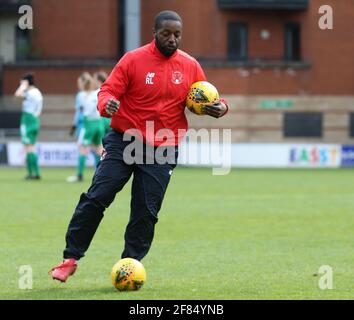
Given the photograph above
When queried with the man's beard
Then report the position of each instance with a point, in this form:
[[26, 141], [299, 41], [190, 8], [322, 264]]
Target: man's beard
[[164, 51]]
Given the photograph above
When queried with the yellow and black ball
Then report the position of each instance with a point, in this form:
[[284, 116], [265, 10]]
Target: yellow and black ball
[[201, 92], [128, 275]]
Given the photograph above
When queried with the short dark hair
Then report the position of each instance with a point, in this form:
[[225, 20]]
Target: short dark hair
[[166, 15], [29, 77], [101, 76]]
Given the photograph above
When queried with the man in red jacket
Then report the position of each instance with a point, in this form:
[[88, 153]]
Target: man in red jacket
[[146, 91]]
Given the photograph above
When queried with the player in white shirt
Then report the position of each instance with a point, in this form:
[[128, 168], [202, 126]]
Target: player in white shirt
[[32, 105], [92, 132]]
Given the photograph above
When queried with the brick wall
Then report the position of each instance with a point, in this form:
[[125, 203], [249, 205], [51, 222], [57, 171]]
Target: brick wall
[[89, 28], [205, 27], [330, 52], [75, 29]]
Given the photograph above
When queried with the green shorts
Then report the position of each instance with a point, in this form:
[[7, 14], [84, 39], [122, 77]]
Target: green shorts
[[92, 133], [29, 128]]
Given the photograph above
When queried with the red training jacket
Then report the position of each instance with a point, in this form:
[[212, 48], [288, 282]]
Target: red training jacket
[[151, 87]]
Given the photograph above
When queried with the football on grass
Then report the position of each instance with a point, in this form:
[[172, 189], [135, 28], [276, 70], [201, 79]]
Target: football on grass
[[128, 275]]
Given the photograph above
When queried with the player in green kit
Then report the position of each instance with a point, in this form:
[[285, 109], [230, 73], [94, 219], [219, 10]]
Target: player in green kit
[[92, 132], [32, 105]]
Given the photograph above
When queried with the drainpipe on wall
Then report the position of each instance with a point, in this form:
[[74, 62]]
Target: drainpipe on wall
[[132, 38]]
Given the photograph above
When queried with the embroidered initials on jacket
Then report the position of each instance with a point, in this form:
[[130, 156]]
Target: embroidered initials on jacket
[[149, 78]]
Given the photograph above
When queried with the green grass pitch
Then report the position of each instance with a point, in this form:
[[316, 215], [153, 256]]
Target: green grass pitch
[[252, 234]]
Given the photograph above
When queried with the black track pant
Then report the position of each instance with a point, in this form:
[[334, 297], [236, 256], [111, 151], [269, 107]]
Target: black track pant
[[150, 182]]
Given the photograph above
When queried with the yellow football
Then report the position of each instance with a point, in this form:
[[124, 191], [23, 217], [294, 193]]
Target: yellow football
[[128, 275], [201, 92]]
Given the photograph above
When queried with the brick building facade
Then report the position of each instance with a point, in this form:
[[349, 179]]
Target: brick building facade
[[89, 30], [276, 52]]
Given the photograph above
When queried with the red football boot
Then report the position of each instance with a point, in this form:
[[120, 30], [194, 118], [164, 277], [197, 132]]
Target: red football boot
[[64, 270]]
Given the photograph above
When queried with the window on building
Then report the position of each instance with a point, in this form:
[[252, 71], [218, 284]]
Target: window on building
[[292, 42], [22, 44], [237, 41], [8, 38], [303, 124]]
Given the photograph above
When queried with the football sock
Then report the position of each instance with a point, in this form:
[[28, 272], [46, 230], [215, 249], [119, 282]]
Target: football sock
[[29, 164], [35, 164], [82, 163]]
